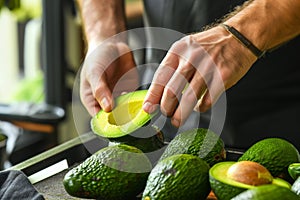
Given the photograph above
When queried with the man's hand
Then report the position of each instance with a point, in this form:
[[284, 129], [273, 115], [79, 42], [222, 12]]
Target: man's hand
[[195, 72], [108, 71]]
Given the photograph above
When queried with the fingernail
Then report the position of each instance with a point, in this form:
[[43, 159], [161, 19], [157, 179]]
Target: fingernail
[[148, 107], [105, 104]]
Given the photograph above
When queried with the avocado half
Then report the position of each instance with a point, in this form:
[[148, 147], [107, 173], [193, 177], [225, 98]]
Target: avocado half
[[127, 116], [225, 187]]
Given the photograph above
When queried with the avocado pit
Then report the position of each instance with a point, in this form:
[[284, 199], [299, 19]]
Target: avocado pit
[[250, 173]]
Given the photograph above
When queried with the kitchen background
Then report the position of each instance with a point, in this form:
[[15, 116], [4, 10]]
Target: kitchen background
[[42, 49]]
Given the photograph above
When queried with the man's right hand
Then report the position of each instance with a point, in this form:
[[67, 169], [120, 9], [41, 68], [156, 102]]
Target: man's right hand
[[107, 71]]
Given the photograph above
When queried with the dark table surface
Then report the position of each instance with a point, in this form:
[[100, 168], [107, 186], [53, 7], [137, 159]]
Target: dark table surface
[[52, 188]]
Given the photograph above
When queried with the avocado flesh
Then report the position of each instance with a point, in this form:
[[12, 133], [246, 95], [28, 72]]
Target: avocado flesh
[[127, 116], [116, 172], [225, 188], [200, 142], [267, 192]]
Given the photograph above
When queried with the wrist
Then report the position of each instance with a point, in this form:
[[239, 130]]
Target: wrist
[[106, 45], [243, 40], [267, 23], [243, 54], [102, 19], [250, 29]]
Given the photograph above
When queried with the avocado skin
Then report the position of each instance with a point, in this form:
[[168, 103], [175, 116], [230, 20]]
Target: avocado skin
[[275, 154], [113, 173], [296, 187], [200, 142], [267, 192], [223, 191], [148, 139], [181, 176]]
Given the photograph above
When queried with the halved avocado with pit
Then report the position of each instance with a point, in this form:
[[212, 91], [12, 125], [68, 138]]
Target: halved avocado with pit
[[127, 116], [228, 179]]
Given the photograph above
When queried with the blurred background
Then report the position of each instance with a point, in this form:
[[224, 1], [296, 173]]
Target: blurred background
[[42, 48]]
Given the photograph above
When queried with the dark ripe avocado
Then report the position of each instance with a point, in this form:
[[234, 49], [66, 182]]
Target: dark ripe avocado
[[126, 117], [267, 192], [294, 170], [181, 176], [113, 173], [296, 187], [228, 179], [199, 142], [275, 154]]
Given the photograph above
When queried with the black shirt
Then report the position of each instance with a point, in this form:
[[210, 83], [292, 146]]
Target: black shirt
[[265, 102]]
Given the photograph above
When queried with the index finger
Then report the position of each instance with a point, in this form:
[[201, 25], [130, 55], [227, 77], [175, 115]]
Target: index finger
[[161, 77]]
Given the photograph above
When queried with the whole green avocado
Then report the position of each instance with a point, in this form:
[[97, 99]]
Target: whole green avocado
[[267, 192], [200, 142], [178, 177], [115, 172]]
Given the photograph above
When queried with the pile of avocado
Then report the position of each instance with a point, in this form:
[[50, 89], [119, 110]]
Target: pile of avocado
[[261, 173], [192, 166]]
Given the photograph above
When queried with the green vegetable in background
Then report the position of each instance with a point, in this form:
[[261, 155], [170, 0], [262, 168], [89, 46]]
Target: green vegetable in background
[[29, 90]]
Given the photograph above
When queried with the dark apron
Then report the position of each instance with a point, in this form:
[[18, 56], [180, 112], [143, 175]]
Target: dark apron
[[265, 102]]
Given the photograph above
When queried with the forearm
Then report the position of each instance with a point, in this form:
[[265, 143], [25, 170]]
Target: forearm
[[102, 19], [268, 23]]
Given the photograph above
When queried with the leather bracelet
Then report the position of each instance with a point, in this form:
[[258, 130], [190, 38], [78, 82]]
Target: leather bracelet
[[242, 39]]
